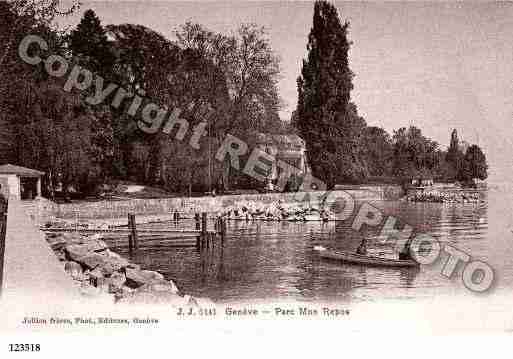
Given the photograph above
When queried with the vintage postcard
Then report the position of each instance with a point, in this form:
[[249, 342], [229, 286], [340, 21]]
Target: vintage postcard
[[201, 171]]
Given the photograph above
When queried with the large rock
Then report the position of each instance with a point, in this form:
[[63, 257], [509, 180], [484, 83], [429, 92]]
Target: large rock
[[152, 275], [107, 264], [136, 278], [56, 242], [116, 282], [74, 270], [76, 252], [159, 286], [97, 278]]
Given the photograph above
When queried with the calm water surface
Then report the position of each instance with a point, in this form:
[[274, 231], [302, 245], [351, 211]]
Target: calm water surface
[[275, 261]]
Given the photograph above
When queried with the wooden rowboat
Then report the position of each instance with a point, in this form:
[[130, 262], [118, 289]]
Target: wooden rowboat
[[363, 259]]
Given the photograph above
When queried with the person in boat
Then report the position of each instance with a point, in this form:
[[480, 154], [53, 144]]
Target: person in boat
[[405, 254], [362, 248]]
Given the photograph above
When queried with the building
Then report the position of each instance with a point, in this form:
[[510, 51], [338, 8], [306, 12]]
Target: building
[[20, 182], [288, 148], [463, 146], [421, 181]]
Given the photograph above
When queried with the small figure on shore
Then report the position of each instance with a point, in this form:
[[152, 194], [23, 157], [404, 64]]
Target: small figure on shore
[[362, 248]]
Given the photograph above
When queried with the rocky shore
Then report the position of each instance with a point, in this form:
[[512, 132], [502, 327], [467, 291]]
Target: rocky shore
[[437, 196], [100, 272], [278, 211]]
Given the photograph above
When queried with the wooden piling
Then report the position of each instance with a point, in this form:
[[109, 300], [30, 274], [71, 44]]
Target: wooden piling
[[203, 227], [197, 219], [133, 231], [223, 228]]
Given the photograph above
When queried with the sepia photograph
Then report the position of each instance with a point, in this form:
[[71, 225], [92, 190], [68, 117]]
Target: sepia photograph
[[198, 171]]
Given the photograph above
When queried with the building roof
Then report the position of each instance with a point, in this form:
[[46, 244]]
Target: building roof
[[281, 141], [20, 171]]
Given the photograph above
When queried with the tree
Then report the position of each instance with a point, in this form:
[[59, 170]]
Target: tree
[[88, 43], [251, 71], [55, 135], [474, 165], [377, 150], [20, 18], [414, 154], [186, 80], [326, 118]]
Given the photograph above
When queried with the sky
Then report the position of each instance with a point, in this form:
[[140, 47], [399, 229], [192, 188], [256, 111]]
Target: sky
[[437, 66]]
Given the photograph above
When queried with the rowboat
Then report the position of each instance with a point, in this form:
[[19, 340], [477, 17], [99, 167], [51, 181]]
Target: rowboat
[[363, 259]]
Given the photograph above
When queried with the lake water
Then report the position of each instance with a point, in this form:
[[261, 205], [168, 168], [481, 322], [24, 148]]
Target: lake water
[[262, 261]]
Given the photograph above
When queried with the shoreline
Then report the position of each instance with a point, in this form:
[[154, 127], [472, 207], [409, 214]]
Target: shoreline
[[99, 272]]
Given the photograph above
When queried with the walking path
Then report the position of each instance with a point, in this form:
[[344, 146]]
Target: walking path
[[33, 276]]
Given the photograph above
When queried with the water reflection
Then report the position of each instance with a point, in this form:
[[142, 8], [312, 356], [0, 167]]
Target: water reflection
[[265, 260]]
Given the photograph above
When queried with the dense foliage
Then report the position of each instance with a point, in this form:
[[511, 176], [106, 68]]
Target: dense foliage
[[82, 146]]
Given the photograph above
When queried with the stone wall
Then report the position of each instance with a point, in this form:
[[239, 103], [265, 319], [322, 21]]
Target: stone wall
[[115, 209]]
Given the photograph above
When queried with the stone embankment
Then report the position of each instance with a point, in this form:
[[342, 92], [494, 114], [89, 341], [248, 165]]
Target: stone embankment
[[98, 271], [43, 211]]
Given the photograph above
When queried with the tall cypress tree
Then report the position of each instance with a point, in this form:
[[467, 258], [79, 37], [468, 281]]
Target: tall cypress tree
[[326, 119]]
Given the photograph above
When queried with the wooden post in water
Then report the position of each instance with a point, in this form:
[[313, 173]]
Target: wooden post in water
[[203, 228], [130, 243], [197, 219], [133, 231], [223, 228]]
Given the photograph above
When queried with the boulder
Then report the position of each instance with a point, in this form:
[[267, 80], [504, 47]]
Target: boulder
[[159, 286], [74, 270], [61, 256], [76, 252], [136, 278], [152, 275], [107, 264], [56, 242], [116, 282], [96, 277]]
